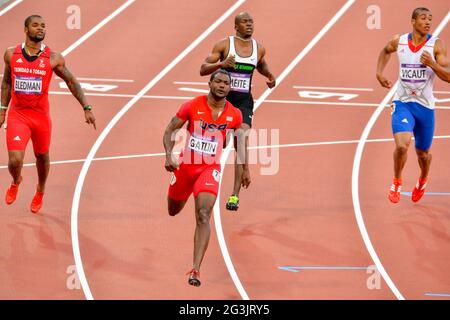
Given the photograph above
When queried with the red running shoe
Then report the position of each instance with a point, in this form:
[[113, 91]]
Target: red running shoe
[[36, 203], [11, 193], [419, 190], [394, 192], [194, 276]]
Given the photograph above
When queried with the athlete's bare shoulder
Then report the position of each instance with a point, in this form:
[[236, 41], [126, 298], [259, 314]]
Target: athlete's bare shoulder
[[222, 45], [392, 45], [440, 44], [261, 50], [8, 54], [56, 59], [56, 55]]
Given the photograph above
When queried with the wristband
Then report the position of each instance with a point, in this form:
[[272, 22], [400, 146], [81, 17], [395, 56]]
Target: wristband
[[87, 107], [3, 108]]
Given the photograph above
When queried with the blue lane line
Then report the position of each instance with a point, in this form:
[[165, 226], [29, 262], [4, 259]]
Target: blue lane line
[[437, 294], [428, 194], [299, 268]]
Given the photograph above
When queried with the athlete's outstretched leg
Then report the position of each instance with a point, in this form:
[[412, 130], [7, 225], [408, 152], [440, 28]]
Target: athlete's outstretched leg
[[424, 158], [204, 203], [15, 164], [233, 201], [402, 142], [43, 169]]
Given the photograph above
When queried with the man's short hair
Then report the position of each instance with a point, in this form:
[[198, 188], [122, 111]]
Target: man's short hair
[[28, 19], [215, 73], [417, 11]]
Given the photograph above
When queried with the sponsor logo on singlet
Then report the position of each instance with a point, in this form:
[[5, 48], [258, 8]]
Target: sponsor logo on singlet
[[203, 145], [28, 85], [413, 72]]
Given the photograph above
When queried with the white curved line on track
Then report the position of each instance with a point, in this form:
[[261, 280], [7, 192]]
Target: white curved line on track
[[108, 128], [355, 180], [12, 5], [226, 153]]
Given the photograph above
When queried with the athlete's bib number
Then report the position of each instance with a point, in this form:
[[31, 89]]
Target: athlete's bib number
[[28, 85], [240, 82], [203, 146], [413, 73]]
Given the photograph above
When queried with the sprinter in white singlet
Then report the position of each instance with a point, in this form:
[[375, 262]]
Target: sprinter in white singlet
[[421, 57]]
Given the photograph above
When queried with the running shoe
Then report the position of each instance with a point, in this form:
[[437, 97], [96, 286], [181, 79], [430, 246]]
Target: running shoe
[[36, 203], [11, 193], [233, 203], [419, 190], [193, 279], [394, 192]]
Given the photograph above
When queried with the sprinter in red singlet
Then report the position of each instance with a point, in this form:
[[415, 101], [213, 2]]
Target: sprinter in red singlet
[[210, 118], [24, 95]]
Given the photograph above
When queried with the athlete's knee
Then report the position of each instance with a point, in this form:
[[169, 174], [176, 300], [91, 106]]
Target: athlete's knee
[[15, 161], [44, 157], [173, 208], [203, 215], [402, 148], [423, 155], [173, 211]]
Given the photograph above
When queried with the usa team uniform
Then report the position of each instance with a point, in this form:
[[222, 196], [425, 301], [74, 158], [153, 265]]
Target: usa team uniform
[[414, 101], [29, 115], [199, 169]]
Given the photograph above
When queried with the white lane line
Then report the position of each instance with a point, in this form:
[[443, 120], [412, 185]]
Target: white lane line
[[102, 79], [329, 103], [117, 95], [193, 90], [191, 83], [108, 128], [274, 146], [88, 34], [355, 181], [76, 252], [227, 150], [333, 88], [12, 5]]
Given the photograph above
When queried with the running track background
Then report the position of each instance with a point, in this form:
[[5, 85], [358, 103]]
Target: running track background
[[301, 217]]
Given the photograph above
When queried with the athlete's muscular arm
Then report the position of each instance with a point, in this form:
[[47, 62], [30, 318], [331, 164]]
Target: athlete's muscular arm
[[6, 85], [72, 83], [263, 68], [216, 59], [169, 142], [441, 65], [383, 59]]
